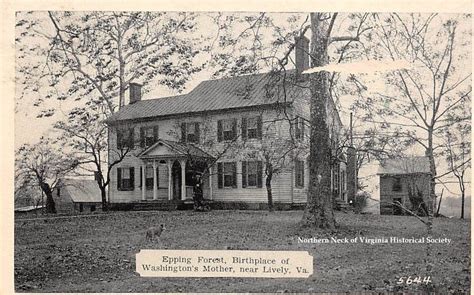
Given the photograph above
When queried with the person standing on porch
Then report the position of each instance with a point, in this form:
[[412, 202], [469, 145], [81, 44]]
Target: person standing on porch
[[197, 191]]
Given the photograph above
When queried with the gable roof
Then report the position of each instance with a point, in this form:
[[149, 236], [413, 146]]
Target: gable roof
[[82, 190], [399, 166], [181, 148], [221, 94]]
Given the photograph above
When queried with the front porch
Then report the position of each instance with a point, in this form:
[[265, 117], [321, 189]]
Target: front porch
[[168, 172]]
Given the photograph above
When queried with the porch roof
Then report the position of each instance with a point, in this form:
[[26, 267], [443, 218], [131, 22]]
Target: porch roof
[[166, 149]]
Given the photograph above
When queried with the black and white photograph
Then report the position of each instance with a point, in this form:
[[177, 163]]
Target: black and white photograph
[[243, 151]]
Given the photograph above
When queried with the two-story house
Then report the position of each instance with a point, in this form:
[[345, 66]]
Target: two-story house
[[229, 130]]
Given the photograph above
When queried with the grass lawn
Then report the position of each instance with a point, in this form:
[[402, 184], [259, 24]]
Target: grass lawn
[[97, 254]]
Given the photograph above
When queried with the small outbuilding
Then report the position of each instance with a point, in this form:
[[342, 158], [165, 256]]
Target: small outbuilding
[[77, 195], [407, 181]]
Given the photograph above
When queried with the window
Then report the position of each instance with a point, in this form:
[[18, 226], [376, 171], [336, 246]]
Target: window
[[252, 174], [227, 175], [226, 129], [125, 179], [299, 128], [299, 174], [252, 127], [190, 132], [149, 178], [397, 184], [125, 138], [148, 136]]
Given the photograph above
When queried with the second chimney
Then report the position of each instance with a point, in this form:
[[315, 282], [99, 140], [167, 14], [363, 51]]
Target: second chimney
[[301, 54], [135, 92]]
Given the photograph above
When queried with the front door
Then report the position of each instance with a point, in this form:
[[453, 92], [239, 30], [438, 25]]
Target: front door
[[176, 177]]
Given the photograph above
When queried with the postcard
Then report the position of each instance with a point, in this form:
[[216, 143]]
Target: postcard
[[193, 147]]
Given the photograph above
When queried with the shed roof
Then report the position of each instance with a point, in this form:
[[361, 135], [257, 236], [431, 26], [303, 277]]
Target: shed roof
[[82, 190], [220, 94], [409, 165]]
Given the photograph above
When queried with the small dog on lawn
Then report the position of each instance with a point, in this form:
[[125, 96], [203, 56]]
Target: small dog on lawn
[[153, 232]]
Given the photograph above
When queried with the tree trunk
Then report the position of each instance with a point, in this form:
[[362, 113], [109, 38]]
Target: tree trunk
[[103, 194], [319, 210], [50, 205], [429, 154], [461, 185], [103, 189], [268, 184]]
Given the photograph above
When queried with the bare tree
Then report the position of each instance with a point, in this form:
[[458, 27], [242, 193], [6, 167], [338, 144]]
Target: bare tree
[[422, 99], [457, 152]]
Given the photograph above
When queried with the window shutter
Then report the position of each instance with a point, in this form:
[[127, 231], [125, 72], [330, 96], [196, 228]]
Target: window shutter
[[119, 178], [132, 178], [197, 132], [302, 128], [131, 139], [155, 133], [119, 139], [141, 177], [259, 174], [220, 183], [244, 174], [157, 175], [183, 132], [302, 173], [219, 130], [234, 129], [142, 137], [244, 128], [259, 127], [234, 176]]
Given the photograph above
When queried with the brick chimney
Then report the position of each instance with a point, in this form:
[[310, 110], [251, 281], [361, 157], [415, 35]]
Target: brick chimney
[[135, 92], [301, 54]]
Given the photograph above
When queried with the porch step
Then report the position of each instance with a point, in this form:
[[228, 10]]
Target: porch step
[[341, 205], [155, 205]]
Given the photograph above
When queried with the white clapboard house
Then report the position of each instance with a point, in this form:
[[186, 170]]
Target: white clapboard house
[[222, 128]]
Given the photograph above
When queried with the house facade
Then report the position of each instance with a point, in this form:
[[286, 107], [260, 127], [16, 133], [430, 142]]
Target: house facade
[[404, 180], [231, 131]]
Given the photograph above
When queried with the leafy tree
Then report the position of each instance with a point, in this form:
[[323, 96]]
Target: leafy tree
[[90, 59], [94, 56], [43, 164], [86, 134]]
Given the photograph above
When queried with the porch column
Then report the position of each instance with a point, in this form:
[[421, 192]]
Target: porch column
[[143, 182], [210, 183], [170, 189], [183, 179], [155, 182]]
